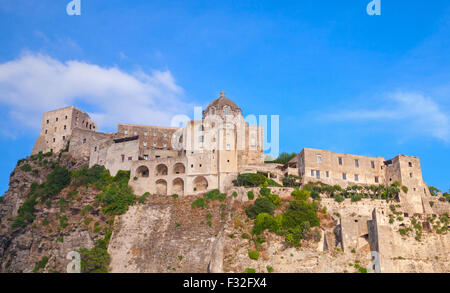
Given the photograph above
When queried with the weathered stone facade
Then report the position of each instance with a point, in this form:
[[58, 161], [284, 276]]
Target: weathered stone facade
[[344, 169], [57, 127]]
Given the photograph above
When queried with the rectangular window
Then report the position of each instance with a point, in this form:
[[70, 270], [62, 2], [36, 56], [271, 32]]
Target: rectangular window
[[154, 145], [125, 132], [410, 175], [135, 133], [48, 121], [65, 127], [64, 138], [130, 158], [340, 161], [410, 164], [319, 159], [344, 176], [95, 149], [145, 157], [201, 138], [228, 147], [145, 133], [165, 134], [46, 131], [356, 163], [327, 174], [376, 179], [165, 145], [84, 140], [372, 164], [56, 119], [123, 158], [145, 144], [356, 177], [312, 173], [318, 174], [66, 117]]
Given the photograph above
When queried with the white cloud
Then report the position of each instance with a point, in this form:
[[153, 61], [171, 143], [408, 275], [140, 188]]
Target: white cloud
[[414, 113], [34, 84]]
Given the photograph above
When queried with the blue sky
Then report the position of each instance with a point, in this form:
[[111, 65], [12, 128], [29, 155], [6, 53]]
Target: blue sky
[[339, 79]]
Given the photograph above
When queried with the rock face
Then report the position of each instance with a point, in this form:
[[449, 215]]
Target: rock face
[[21, 248], [166, 235]]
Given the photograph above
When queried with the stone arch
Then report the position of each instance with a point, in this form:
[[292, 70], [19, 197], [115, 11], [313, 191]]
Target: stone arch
[[178, 186], [161, 187], [179, 168], [142, 171], [200, 183], [161, 170]]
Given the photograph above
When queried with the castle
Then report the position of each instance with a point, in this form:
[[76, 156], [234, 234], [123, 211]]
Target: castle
[[209, 153]]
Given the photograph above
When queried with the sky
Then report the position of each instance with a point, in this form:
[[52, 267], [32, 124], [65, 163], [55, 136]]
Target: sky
[[338, 78]]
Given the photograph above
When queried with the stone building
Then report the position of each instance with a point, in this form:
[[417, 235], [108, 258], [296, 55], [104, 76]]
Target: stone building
[[57, 127], [344, 169]]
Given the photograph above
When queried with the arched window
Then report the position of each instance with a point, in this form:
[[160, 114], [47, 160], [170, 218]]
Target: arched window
[[142, 171], [161, 170], [178, 186], [200, 183], [179, 168], [161, 187]]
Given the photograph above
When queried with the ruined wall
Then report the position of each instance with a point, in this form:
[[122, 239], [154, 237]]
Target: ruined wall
[[120, 156], [329, 167], [83, 140]]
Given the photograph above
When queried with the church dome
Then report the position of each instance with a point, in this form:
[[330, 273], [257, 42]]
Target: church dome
[[222, 102]]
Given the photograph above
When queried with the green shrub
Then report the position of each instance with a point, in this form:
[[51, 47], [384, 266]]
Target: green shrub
[[40, 264], [339, 198], [143, 198], [253, 254], [174, 195], [235, 194], [26, 168], [198, 203], [250, 195], [264, 191], [245, 236], [261, 205], [87, 208], [269, 269], [59, 239], [265, 221], [250, 271], [302, 194]]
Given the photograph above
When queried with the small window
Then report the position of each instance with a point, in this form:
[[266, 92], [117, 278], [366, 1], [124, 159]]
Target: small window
[[344, 176], [95, 149], [123, 158], [318, 174], [228, 147], [145, 144], [410, 164], [84, 140], [54, 139], [228, 161], [340, 161], [356, 163], [356, 177], [202, 128], [135, 133], [201, 138], [65, 127], [64, 138], [327, 174], [192, 166], [48, 121], [410, 175], [56, 119], [154, 145], [165, 134], [125, 132], [46, 131], [200, 165], [226, 111], [130, 158], [165, 145], [319, 159], [213, 111], [312, 172], [146, 157], [154, 133], [372, 164], [65, 117], [376, 179], [145, 133]]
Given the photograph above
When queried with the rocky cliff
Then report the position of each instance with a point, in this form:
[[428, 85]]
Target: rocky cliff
[[93, 213]]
